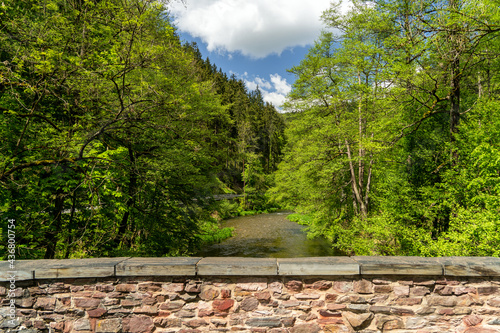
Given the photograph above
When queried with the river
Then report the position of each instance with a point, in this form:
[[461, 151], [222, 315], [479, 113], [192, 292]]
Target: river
[[267, 236]]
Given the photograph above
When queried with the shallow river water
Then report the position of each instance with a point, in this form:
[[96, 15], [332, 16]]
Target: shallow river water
[[267, 236]]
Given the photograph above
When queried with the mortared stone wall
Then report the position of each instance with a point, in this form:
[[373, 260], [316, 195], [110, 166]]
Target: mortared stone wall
[[296, 295]]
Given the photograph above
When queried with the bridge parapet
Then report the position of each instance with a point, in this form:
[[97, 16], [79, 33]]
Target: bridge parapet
[[190, 295]]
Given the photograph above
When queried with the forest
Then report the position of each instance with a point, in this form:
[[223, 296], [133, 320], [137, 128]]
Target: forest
[[117, 137], [394, 139]]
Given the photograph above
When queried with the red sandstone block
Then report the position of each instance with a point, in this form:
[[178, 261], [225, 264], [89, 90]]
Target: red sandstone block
[[462, 311], [83, 294], [75, 289], [402, 290], [306, 296], [205, 313], [448, 282], [193, 288], [87, 303], [116, 294], [448, 301], [25, 302], [303, 328], [185, 314], [26, 313], [446, 312], [223, 304], [195, 323], [383, 289], [130, 302], [63, 302], [111, 325], [45, 303], [389, 323], [363, 287], [106, 288], [172, 306], [149, 301], [409, 301], [380, 281], [39, 324], [334, 307], [487, 290], [35, 291], [469, 299], [318, 304], [150, 286], [464, 290], [225, 293], [472, 320], [138, 324], [428, 283], [96, 313], [405, 283], [263, 297], [288, 321], [173, 287], [125, 287], [112, 301], [308, 317], [322, 285], [119, 311], [444, 290], [167, 322], [381, 298], [162, 313], [402, 312], [420, 291], [480, 330], [57, 326], [329, 313], [99, 294], [209, 293], [58, 289], [294, 285], [147, 309]]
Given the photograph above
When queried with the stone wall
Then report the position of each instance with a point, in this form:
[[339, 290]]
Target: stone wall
[[304, 295]]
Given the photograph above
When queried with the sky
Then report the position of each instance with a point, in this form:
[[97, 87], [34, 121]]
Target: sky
[[257, 40]]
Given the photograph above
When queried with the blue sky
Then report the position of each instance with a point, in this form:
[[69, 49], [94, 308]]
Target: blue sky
[[269, 73], [258, 40]]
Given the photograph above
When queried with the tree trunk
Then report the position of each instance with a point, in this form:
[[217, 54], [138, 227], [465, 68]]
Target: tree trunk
[[51, 234], [130, 203], [355, 187], [361, 170], [455, 97]]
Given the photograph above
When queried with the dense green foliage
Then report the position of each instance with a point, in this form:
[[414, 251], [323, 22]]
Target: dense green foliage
[[393, 145], [115, 136]]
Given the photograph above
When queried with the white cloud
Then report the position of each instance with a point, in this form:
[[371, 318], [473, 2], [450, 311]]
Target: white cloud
[[280, 84], [274, 98], [251, 85], [263, 84], [256, 28], [273, 91]]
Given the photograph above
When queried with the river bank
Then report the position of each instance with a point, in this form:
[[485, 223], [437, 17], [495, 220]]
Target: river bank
[[267, 236]]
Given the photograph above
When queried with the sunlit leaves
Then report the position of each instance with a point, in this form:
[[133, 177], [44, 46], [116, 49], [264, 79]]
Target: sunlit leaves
[[410, 84]]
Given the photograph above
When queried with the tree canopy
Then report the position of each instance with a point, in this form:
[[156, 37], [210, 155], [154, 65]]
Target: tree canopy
[[392, 146], [115, 135]]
